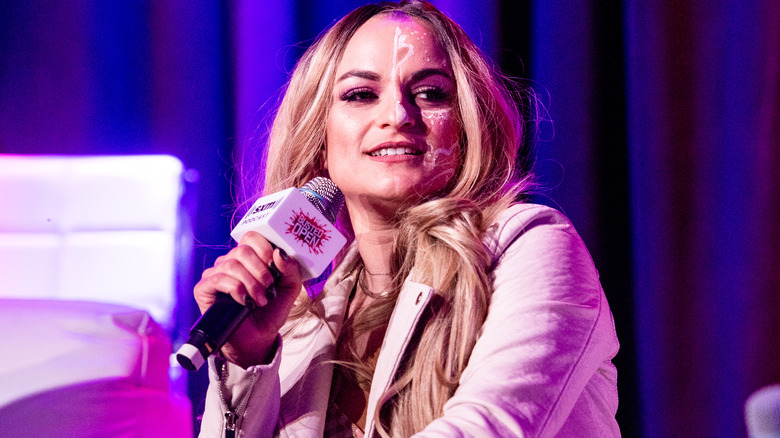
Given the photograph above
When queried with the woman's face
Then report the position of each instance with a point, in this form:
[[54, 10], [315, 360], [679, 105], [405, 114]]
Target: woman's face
[[392, 130]]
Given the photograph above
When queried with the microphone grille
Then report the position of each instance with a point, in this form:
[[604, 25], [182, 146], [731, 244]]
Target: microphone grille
[[325, 196], [762, 412]]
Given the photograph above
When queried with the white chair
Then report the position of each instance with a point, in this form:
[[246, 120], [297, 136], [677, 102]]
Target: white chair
[[92, 228], [86, 369], [90, 247]]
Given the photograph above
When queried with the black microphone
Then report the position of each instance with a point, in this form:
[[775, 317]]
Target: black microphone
[[300, 222], [762, 412]]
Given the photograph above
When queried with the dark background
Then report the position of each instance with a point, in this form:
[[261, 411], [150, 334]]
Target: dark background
[[661, 144]]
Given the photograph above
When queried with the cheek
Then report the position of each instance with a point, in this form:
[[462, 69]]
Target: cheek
[[441, 123], [443, 139], [331, 153], [338, 156], [336, 136], [329, 139]]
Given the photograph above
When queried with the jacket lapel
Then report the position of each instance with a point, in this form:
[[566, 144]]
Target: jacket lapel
[[412, 302], [309, 346]]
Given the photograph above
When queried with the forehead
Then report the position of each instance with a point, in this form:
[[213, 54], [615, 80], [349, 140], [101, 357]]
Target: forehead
[[382, 35], [389, 22]]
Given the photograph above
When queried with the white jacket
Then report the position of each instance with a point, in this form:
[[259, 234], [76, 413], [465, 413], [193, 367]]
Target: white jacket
[[540, 368]]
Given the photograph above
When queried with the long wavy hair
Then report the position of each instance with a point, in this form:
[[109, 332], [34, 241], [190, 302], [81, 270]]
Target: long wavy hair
[[439, 241]]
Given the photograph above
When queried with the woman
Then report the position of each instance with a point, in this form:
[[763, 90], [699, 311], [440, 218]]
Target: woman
[[458, 310]]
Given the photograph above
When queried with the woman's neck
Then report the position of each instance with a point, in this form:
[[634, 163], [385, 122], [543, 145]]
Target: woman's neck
[[375, 236]]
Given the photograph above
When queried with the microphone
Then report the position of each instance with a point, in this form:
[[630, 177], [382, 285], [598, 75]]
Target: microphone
[[762, 412], [300, 222]]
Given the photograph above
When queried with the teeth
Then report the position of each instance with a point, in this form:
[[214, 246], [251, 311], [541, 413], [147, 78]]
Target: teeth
[[392, 151]]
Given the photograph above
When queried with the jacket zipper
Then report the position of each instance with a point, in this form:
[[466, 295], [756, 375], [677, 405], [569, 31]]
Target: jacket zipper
[[232, 415], [230, 424]]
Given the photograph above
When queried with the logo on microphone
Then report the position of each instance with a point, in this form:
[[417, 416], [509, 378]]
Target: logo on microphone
[[259, 212], [308, 231]]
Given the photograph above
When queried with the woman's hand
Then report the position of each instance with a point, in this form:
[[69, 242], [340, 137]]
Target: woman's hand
[[243, 273]]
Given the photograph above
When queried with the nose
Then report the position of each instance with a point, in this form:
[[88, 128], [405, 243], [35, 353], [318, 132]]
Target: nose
[[398, 113]]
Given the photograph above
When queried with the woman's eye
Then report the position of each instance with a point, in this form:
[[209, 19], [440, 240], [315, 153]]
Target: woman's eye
[[432, 95], [358, 95]]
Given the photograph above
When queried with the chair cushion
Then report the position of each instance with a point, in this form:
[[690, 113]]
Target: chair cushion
[[86, 369]]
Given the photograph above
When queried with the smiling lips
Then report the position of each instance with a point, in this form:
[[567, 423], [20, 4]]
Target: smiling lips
[[393, 151], [396, 149]]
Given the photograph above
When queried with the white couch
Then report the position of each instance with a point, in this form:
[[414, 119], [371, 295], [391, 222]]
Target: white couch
[[97, 228], [92, 251], [86, 369]]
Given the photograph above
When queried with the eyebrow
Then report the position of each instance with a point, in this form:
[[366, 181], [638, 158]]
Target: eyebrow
[[427, 72], [372, 76], [364, 74]]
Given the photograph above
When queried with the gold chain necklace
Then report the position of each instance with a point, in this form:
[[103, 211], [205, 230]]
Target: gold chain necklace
[[362, 283]]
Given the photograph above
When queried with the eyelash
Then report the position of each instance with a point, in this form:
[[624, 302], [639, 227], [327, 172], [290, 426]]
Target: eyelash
[[358, 95], [433, 95]]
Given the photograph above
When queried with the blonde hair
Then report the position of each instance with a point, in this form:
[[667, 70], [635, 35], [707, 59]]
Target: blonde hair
[[440, 240]]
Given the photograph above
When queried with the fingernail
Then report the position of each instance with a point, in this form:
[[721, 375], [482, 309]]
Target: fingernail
[[270, 292], [250, 303]]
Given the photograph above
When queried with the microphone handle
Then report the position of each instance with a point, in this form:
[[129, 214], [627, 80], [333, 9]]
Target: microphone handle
[[217, 324]]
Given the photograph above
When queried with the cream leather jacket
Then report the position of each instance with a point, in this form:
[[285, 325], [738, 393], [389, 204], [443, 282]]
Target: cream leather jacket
[[541, 367]]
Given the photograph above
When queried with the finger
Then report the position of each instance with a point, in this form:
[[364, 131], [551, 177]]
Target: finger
[[265, 251], [254, 264], [233, 277], [206, 290], [259, 244], [244, 263], [254, 284]]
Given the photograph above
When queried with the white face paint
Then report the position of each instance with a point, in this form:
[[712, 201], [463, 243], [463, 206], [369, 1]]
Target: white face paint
[[392, 132], [439, 152], [399, 42]]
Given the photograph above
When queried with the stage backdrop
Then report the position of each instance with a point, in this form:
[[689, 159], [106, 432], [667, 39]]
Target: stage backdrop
[[661, 143]]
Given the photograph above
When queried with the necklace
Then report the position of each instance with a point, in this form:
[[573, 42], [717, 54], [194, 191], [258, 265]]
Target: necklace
[[371, 273], [362, 282]]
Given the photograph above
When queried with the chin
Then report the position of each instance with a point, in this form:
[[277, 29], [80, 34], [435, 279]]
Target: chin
[[418, 194], [399, 190]]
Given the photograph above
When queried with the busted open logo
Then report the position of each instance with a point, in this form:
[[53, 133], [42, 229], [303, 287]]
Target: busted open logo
[[308, 231]]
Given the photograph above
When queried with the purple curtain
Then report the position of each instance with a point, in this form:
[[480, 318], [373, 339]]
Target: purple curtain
[[136, 77], [665, 152], [662, 144], [704, 142]]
